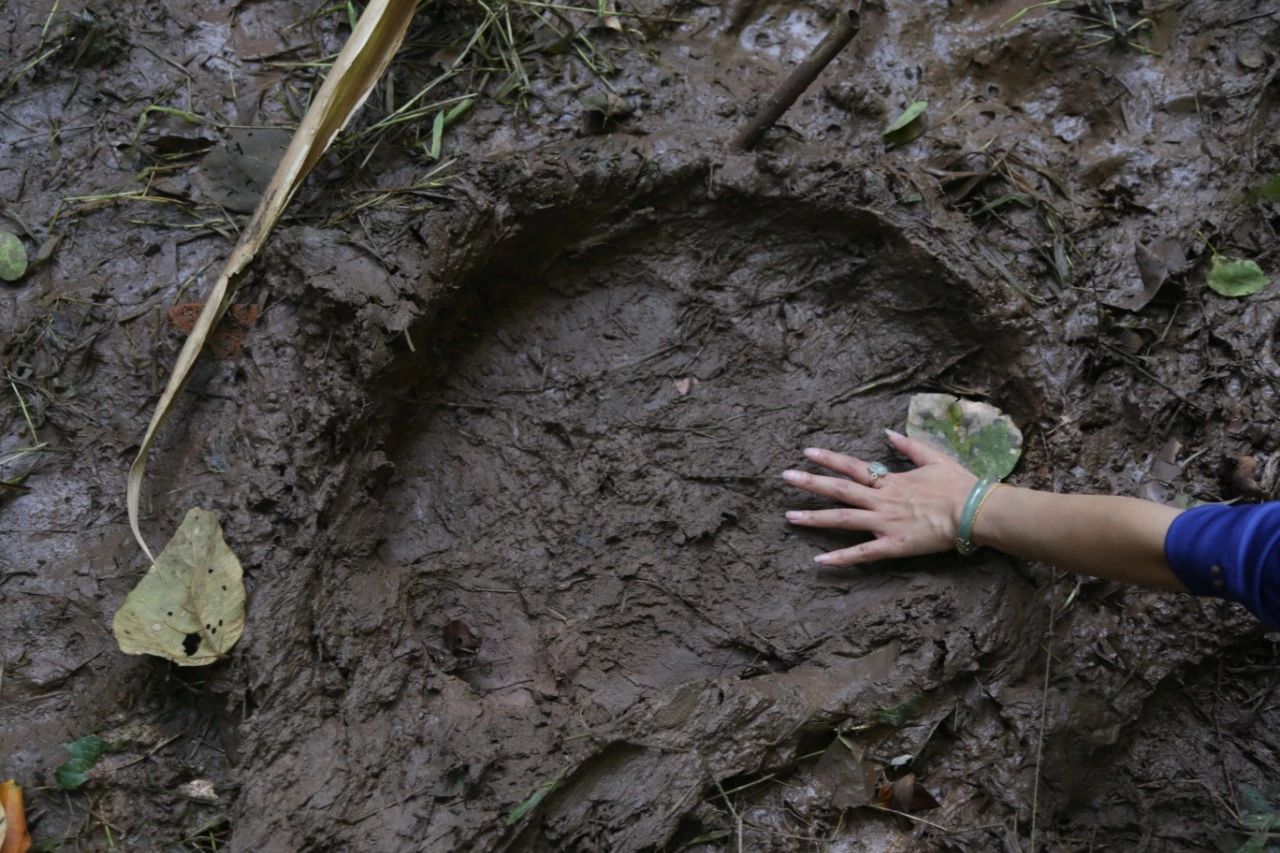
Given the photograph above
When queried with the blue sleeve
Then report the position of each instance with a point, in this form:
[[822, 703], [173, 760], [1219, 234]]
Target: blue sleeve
[[1231, 552]]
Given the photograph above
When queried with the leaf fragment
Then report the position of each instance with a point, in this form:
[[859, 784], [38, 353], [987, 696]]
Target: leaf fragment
[[13, 256], [977, 435], [189, 606], [1268, 190], [85, 753], [907, 795], [906, 126], [607, 104], [1236, 278]]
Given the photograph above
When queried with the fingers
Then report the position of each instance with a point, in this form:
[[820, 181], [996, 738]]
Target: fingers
[[841, 463], [917, 451], [876, 549], [836, 488], [839, 519]]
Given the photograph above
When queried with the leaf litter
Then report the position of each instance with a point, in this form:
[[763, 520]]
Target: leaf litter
[[908, 125], [977, 435], [13, 256], [1236, 278], [189, 607]]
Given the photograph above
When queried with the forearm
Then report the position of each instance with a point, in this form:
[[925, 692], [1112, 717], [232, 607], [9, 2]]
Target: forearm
[[1110, 537]]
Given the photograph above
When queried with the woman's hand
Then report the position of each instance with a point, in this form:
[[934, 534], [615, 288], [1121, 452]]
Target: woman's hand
[[911, 513]]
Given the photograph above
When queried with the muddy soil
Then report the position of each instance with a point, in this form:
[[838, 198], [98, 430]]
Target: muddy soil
[[500, 457]]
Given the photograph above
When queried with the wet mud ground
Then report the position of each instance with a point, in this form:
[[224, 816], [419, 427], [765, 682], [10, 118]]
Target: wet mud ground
[[500, 455]]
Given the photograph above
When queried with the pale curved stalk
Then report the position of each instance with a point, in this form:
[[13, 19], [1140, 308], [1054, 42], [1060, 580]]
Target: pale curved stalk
[[363, 60]]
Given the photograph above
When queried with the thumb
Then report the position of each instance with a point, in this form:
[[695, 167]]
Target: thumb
[[917, 451]]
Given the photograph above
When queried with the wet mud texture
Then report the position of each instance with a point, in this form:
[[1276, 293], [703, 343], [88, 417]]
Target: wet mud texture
[[502, 467]]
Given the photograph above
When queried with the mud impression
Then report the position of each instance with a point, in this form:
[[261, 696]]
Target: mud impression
[[591, 487], [584, 584]]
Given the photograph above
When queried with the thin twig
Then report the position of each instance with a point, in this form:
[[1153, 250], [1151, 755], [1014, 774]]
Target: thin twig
[[1044, 711], [846, 27]]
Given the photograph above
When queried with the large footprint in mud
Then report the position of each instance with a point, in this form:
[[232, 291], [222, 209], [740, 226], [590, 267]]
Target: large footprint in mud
[[584, 580], [604, 440]]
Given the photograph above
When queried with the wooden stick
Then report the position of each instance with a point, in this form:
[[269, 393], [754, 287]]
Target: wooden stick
[[846, 27]]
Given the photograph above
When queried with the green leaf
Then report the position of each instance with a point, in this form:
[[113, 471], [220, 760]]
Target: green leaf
[[189, 606], [978, 435], [85, 753], [13, 256], [457, 110], [907, 126], [1236, 278], [437, 135], [1268, 191]]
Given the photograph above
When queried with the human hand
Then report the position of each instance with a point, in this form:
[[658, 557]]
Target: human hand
[[910, 513]]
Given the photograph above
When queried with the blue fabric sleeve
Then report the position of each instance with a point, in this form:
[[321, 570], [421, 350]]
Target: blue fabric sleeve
[[1231, 552]]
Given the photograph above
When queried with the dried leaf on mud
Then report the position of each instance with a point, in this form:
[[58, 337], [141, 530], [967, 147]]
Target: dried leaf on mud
[[1236, 278], [1157, 263], [189, 607], [85, 753], [906, 795], [14, 837], [459, 639], [844, 774], [358, 68], [13, 256], [908, 125], [978, 435]]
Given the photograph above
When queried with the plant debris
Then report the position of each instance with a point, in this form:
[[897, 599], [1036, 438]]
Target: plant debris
[[908, 125], [978, 435], [1236, 278], [13, 256], [85, 753], [189, 607]]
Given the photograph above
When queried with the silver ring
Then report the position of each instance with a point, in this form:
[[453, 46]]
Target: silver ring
[[876, 470]]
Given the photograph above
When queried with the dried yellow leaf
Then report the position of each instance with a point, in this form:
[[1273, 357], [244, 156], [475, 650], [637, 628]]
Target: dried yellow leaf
[[189, 607]]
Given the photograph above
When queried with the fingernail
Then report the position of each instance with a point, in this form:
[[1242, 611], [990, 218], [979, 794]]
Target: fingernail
[[792, 476], [894, 434], [795, 516], [813, 452], [822, 559]]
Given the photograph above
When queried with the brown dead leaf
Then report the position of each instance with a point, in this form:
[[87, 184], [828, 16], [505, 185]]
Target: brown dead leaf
[[845, 776], [1245, 479], [906, 795], [459, 639], [1157, 262]]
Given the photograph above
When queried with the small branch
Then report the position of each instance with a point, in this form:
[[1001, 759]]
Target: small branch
[[846, 27]]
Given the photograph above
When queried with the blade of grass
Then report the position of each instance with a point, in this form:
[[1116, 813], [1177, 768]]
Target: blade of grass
[[359, 66], [1020, 15]]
